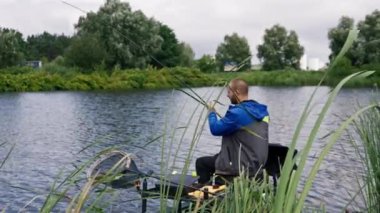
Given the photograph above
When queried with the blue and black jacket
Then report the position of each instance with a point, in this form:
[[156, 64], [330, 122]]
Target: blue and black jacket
[[244, 131]]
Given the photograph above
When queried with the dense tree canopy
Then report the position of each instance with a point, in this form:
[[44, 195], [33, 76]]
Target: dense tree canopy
[[46, 45], [127, 36], [233, 49], [366, 50], [369, 39], [280, 50], [206, 63], [169, 52], [11, 47], [338, 35], [187, 55], [86, 51]]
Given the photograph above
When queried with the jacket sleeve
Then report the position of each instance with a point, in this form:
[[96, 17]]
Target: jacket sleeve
[[226, 125]]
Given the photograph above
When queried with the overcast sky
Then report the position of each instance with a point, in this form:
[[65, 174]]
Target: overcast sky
[[202, 23]]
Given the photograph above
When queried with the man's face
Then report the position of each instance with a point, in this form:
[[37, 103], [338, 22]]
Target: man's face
[[231, 95]]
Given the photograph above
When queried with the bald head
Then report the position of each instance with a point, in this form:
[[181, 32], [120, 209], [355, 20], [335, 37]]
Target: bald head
[[237, 91], [239, 86]]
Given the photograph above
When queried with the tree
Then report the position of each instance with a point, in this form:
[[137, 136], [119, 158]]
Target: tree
[[46, 45], [369, 38], [233, 49], [127, 36], [169, 53], [86, 51], [280, 50], [206, 63], [11, 47], [187, 55], [337, 37]]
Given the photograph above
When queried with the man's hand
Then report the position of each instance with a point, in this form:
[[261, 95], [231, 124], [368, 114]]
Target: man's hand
[[210, 107]]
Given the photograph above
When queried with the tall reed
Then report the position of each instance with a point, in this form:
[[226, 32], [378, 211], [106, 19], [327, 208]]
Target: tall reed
[[368, 128]]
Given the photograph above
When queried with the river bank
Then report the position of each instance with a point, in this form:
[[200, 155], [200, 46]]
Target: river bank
[[68, 79]]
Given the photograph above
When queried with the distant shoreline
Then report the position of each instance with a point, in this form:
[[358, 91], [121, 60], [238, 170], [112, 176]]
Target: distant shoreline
[[68, 79]]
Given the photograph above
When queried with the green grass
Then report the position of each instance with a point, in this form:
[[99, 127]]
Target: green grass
[[368, 128]]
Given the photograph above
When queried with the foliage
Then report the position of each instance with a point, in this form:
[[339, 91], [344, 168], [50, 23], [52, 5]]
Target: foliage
[[280, 50], [366, 50], [245, 195], [11, 47], [127, 36], [372, 66], [342, 68], [370, 138], [46, 45], [86, 51], [186, 55], [369, 38], [206, 63], [56, 77], [169, 53], [233, 49], [338, 35]]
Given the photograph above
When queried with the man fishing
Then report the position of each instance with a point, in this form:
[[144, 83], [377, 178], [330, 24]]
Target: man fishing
[[244, 131]]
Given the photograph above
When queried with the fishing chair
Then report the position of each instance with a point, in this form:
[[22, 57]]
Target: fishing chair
[[276, 159]]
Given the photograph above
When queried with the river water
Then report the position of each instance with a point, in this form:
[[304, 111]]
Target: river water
[[52, 132]]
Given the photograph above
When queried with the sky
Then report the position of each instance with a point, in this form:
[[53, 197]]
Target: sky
[[202, 23]]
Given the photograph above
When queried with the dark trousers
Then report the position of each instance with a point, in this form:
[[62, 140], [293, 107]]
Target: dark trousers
[[205, 167]]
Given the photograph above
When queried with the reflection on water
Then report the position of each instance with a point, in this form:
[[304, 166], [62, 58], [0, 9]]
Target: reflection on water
[[51, 131]]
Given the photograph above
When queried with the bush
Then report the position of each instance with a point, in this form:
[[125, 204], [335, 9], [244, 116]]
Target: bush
[[342, 68]]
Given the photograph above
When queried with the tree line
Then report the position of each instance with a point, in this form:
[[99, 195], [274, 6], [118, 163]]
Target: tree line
[[117, 37]]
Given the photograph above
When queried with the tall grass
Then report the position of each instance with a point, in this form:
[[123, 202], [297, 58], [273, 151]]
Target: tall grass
[[368, 128], [286, 199], [243, 195]]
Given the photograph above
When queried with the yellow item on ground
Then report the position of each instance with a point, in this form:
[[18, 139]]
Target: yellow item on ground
[[211, 189]]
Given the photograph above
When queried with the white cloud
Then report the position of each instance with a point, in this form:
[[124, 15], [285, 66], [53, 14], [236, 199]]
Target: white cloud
[[200, 23]]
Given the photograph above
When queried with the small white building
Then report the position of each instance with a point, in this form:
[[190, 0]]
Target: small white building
[[314, 64], [310, 64], [303, 62], [230, 66], [34, 64]]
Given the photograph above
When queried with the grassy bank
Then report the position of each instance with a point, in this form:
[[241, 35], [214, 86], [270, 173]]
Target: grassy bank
[[52, 78], [67, 79]]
